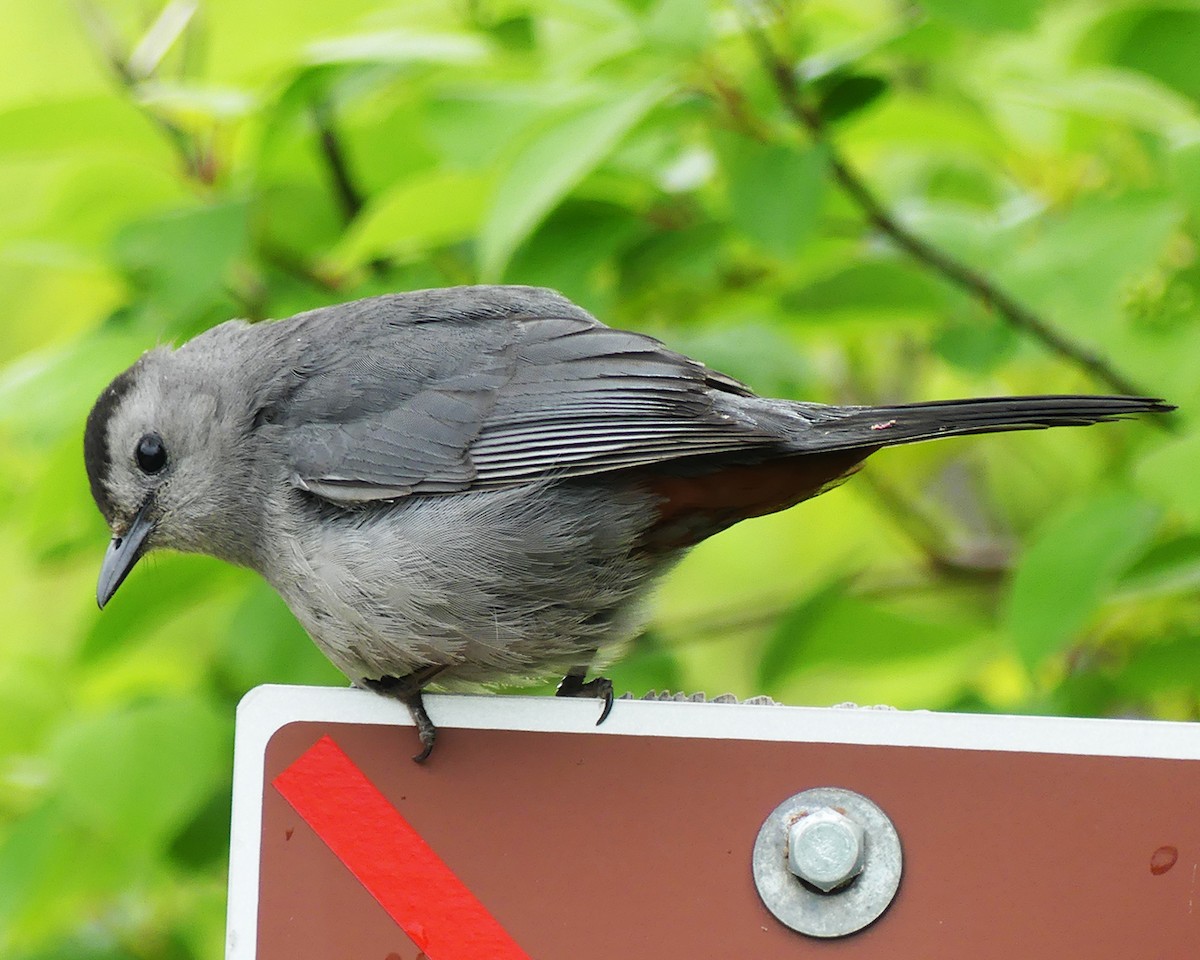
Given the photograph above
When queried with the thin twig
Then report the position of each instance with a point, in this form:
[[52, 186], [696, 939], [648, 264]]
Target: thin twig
[[957, 272], [171, 24], [733, 100], [294, 265], [924, 531], [348, 195], [197, 162]]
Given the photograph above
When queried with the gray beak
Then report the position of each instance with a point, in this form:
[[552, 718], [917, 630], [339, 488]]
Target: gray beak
[[123, 553]]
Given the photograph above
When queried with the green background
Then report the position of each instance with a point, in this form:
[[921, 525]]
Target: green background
[[164, 169]]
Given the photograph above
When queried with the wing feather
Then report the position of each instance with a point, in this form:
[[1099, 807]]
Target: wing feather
[[483, 387]]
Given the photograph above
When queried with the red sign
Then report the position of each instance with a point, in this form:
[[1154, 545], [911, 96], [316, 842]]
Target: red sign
[[399, 869], [533, 833]]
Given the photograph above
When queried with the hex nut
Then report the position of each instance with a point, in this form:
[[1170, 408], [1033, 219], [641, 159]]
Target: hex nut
[[825, 849], [799, 904]]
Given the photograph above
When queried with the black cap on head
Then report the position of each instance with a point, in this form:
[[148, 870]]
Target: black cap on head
[[96, 455]]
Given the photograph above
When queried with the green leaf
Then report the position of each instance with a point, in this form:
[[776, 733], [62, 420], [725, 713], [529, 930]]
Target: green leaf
[[516, 33], [1166, 568], [154, 595], [195, 106], [569, 250], [1185, 163], [745, 348], [49, 293], [953, 181], [648, 665], [183, 258], [297, 216], [597, 15], [678, 24], [258, 42], [265, 644], [868, 290], [784, 652], [1069, 569], [1165, 44], [776, 191], [987, 15], [100, 125], [47, 55], [397, 46], [38, 865], [842, 95], [833, 627], [1101, 244], [204, 840], [142, 772], [549, 165], [978, 343], [1115, 95], [426, 211], [473, 129], [46, 395], [1163, 666], [687, 258], [30, 704], [1169, 475]]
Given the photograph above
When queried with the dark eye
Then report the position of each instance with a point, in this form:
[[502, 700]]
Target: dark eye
[[151, 454]]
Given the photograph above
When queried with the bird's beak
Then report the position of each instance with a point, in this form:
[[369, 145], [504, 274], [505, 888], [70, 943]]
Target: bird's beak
[[123, 553]]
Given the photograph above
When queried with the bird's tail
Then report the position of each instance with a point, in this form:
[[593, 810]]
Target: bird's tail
[[851, 427]]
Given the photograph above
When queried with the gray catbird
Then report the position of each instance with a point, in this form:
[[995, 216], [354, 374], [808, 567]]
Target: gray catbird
[[473, 483]]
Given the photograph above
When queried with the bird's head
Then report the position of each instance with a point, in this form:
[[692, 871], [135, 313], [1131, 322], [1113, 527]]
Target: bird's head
[[167, 449]]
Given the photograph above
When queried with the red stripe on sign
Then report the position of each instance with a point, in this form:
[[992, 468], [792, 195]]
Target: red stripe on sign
[[399, 869]]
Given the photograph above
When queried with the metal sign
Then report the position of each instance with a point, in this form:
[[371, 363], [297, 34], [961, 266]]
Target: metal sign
[[531, 833]]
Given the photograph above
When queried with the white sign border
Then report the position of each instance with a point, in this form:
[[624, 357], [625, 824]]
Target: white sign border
[[266, 709]]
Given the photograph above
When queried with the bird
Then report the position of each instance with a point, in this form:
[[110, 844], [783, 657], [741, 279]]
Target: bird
[[470, 484]]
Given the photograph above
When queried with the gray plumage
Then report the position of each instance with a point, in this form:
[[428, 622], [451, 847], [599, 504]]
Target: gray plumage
[[476, 480]]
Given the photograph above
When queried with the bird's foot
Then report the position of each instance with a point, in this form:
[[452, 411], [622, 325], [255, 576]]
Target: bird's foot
[[408, 690], [601, 688]]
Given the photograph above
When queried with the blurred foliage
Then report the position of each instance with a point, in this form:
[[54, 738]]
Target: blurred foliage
[[165, 168]]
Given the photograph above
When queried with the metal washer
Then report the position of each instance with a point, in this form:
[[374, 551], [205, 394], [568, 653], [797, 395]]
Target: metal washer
[[843, 911]]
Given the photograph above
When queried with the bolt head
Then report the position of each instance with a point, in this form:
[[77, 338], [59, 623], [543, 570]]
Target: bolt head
[[825, 849]]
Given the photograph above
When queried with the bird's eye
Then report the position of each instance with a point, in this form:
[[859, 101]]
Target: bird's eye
[[151, 454]]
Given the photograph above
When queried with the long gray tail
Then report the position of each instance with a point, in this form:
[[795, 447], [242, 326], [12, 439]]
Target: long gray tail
[[836, 428]]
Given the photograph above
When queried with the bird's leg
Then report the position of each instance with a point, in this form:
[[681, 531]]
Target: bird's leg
[[407, 690], [601, 688]]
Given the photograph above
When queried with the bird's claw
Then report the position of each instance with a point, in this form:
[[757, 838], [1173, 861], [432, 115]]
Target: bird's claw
[[601, 688], [426, 731], [408, 691]]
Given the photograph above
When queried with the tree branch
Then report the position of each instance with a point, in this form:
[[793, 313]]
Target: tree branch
[[975, 283], [197, 162], [294, 265], [924, 531], [348, 195]]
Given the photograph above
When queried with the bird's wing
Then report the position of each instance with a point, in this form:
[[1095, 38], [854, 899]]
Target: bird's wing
[[487, 387]]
